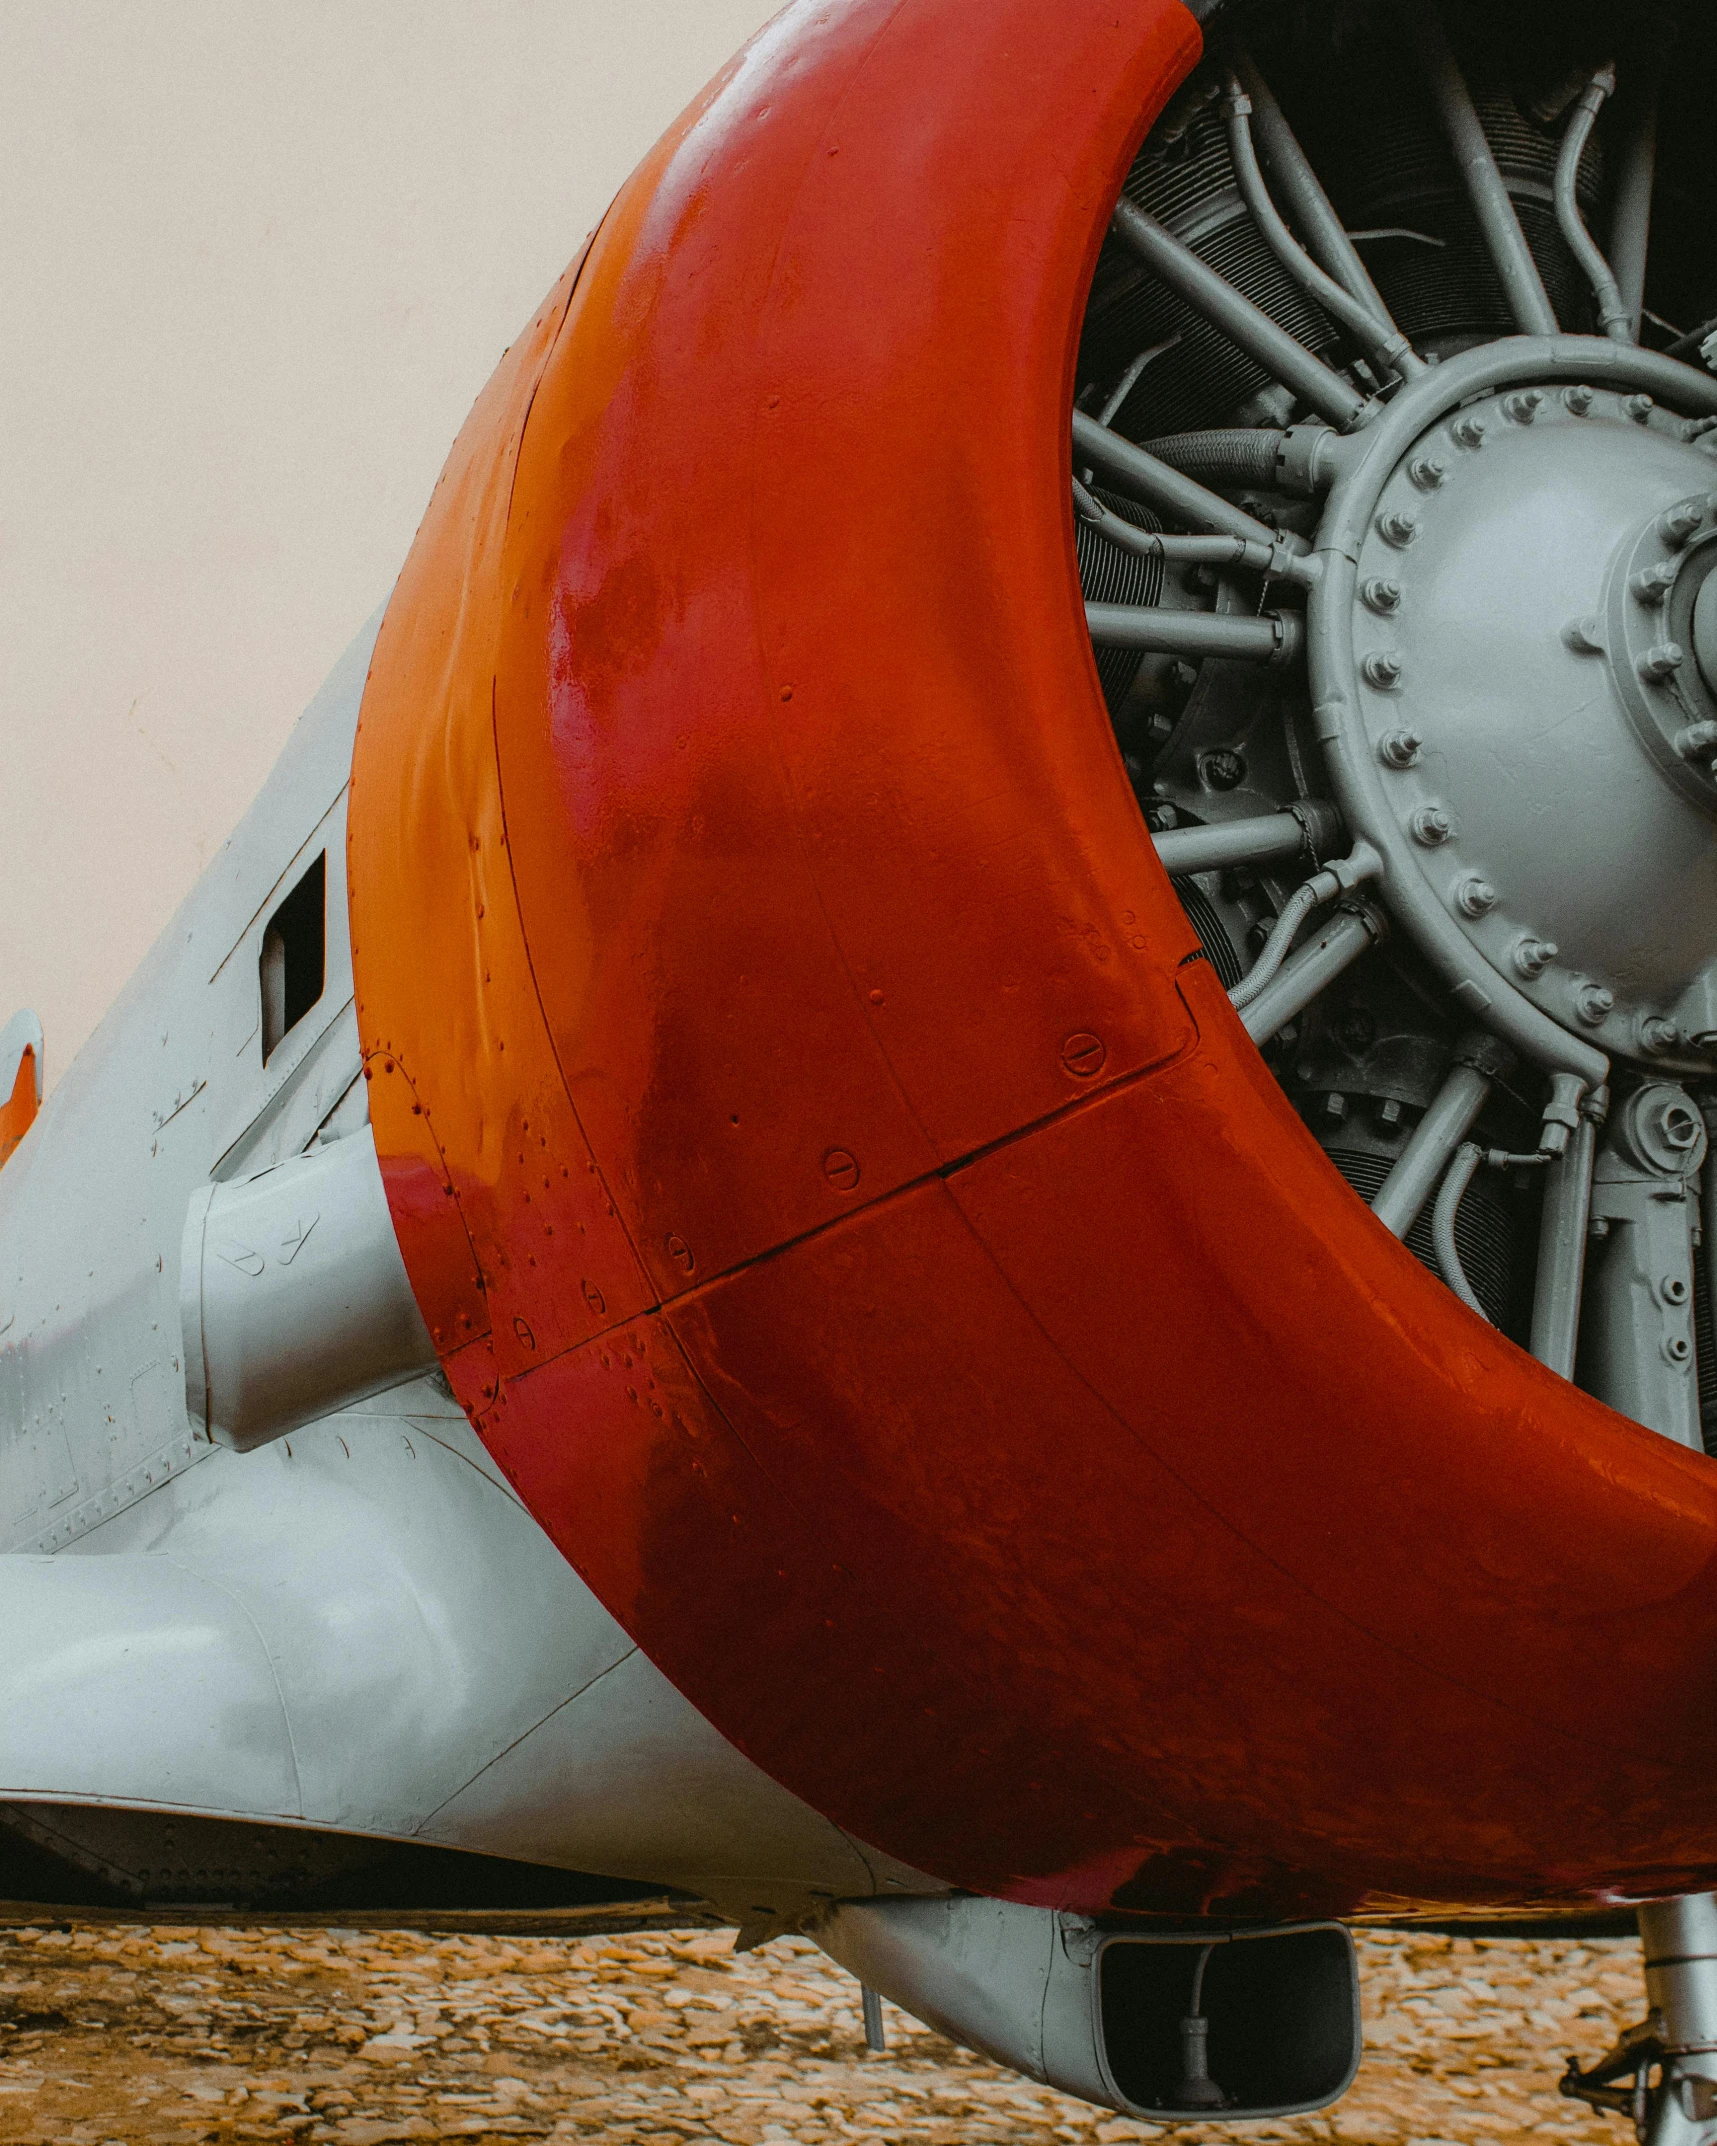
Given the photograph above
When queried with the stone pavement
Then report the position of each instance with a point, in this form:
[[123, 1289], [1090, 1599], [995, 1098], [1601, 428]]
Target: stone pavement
[[112, 2035]]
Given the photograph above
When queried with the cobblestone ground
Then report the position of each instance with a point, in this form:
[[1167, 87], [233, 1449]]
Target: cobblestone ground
[[116, 2035]]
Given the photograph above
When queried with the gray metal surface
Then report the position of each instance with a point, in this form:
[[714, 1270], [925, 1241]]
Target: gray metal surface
[[294, 1297], [1639, 1331], [1025, 1985], [1679, 1939], [1487, 749]]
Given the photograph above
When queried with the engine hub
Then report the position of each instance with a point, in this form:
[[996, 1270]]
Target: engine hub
[[1514, 657]]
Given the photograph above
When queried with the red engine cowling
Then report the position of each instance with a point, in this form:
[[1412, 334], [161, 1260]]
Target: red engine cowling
[[840, 1191]]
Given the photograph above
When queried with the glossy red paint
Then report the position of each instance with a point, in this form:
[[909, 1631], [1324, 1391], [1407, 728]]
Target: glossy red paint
[[846, 1205]]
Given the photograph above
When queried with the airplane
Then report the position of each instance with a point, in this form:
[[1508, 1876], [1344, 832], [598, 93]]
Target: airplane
[[934, 1171]]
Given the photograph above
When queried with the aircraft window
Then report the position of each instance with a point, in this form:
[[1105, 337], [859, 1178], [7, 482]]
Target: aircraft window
[[294, 957]]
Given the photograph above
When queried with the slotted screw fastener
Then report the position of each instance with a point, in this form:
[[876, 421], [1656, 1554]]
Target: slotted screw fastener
[[1381, 595], [1428, 473], [1475, 897], [1594, 1004], [1662, 660], [1652, 584], [1400, 748], [1398, 528], [1382, 670], [1522, 408], [1578, 400], [1533, 956], [1432, 826], [1681, 522]]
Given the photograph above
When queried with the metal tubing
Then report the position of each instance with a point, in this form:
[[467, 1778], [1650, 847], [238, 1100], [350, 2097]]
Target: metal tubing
[[1373, 330], [1445, 1215], [1310, 206], [1263, 840], [1427, 1155], [1277, 638], [1614, 316], [1636, 173], [1348, 934], [1182, 499], [1528, 300], [1679, 1940], [1561, 1279], [1274, 559], [1247, 326]]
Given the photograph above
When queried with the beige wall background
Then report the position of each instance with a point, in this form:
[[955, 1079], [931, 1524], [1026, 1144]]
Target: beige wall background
[[256, 261]]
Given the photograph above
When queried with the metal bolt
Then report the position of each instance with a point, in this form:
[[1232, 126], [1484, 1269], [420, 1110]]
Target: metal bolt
[[1431, 825], [1657, 1034], [1578, 400], [1428, 473], [1382, 670], [1673, 1289], [1398, 528], [1389, 1113], [1639, 408], [1382, 596], [1533, 956], [1468, 431], [1335, 1106], [1678, 1348], [1223, 769], [1522, 408], [1652, 584], [1475, 897], [1400, 748], [1697, 742], [1585, 635], [1662, 660], [1594, 1004], [1681, 522]]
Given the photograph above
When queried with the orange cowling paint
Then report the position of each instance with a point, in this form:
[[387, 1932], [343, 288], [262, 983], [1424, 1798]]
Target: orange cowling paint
[[18, 1112], [848, 1210]]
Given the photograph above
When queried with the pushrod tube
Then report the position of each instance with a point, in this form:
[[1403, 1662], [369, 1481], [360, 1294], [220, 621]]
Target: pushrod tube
[[1308, 204], [1348, 934], [1528, 300], [1246, 326], [1437, 1135], [1277, 637], [1636, 165], [1275, 559], [1180, 499], [1561, 1279], [1374, 332], [1263, 840]]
